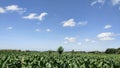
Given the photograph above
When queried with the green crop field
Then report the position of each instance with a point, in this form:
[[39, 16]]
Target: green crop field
[[55, 60]]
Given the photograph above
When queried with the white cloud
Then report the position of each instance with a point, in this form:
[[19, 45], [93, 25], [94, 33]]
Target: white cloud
[[115, 2], [37, 30], [9, 28], [97, 1], [69, 23], [2, 10], [107, 26], [42, 15], [79, 43], [48, 30], [93, 3], [72, 23], [93, 41], [65, 42], [106, 36], [83, 23], [32, 16], [15, 8], [87, 40], [90, 40], [70, 39]]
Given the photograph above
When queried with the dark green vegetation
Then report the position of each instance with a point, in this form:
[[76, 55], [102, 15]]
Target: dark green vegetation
[[60, 50], [112, 51], [52, 59]]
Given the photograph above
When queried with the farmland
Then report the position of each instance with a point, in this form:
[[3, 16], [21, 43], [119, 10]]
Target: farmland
[[54, 60]]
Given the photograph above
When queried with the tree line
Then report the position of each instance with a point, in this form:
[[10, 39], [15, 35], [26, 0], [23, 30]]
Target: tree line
[[113, 51], [60, 50]]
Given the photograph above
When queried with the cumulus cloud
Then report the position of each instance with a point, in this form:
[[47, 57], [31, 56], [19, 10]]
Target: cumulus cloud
[[72, 23], [9, 28], [70, 39], [83, 23], [2, 10], [115, 2], [69, 23], [107, 26], [65, 42], [12, 8], [97, 1], [79, 43], [37, 30], [106, 36], [90, 40], [48, 30], [42, 15], [32, 16]]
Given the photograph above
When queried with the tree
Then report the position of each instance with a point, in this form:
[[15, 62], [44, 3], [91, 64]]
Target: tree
[[50, 51], [110, 51], [72, 51], [118, 51], [60, 50]]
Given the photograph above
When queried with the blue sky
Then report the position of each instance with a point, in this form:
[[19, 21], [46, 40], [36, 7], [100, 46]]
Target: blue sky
[[84, 25]]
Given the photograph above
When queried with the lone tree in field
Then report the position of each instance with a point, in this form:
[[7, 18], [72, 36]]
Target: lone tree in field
[[60, 50], [72, 51]]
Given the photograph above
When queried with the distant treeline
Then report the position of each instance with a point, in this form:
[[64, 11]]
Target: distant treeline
[[113, 51], [107, 51]]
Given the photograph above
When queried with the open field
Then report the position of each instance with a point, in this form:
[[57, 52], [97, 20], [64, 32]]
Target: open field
[[59, 33], [55, 60]]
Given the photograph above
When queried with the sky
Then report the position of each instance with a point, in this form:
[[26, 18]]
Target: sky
[[80, 25]]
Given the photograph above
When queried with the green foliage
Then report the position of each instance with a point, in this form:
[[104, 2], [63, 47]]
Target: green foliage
[[112, 51], [60, 50], [53, 60]]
